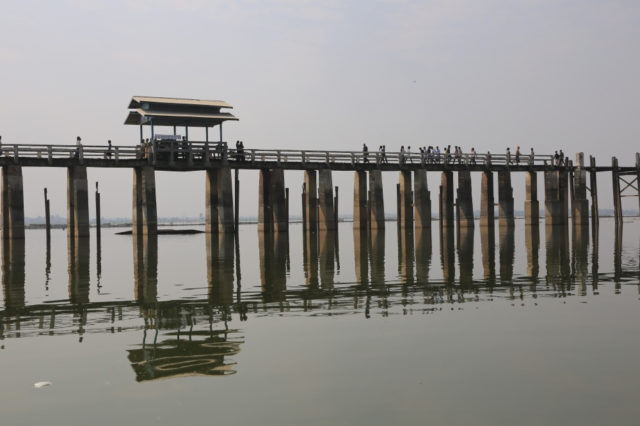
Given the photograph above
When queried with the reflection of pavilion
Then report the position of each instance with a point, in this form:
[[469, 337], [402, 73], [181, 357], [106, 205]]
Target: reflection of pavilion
[[195, 353]]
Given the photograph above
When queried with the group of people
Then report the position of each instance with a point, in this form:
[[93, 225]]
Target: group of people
[[559, 159], [239, 151]]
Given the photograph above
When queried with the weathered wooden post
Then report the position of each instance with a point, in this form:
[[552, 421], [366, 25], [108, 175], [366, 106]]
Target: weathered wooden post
[[360, 210], [304, 205], [464, 200], [98, 223], [617, 200], [47, 215], [335, 207], [236, 212], [487, 207], [446, 199], [595, 214], [286, 204]]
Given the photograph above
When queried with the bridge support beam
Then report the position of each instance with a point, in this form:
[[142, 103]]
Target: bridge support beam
[[487, 209], [272, 203], [421, 200], [446, 199], [464, 200], [360, 211], [554, 198], [595, 214], [505, 198], [405, 215], [579, 203], [12, 203], [531, 203], [310, 201], [376, 200], [326, 213], [77, 202], [145, 213], [219, 215], [617, 195]]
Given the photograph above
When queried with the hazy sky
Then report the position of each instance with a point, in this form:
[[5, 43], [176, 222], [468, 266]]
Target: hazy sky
[[328, 74]]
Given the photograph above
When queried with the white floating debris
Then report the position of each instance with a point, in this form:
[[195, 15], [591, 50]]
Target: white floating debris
[[39, 385]]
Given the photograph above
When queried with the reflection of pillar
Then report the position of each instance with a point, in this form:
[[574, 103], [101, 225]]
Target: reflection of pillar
[[464, 200], [145, 213], [219, 201], [274, 249], [507, 249], [220, 267], [360, 213], [405, 255], [531, 204], [488, 243], [579, 254], [487, 208], [446, 199], [77, 202], [272, 212], [79, 276], [617, 254], [13, 273], [361, 255], [326, 249], [376, 200], [310, 258], [465, 254], [421, 200], [405, 215], [145, 268], [532, 242], [505, 198], [595, 255], [448, 254], [579, 203], [311, 201], [376, 253], [557, 248], [12, 203], [326, 215], [423, 254]]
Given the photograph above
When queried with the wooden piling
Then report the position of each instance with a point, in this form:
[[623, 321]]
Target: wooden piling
[[236, 202], [595, 215], [286, 204], [335, 207], [617, 200], [98, 223], [47, 215]]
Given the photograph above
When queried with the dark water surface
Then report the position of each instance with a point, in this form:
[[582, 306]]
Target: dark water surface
[[516, 326]]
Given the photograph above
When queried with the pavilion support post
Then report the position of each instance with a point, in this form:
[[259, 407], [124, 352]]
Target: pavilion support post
[[464, 200], [422, 200], [310, 201], [325, 201], [593, 176], [219, 215], [376, 200], [580, 204], [272, 214], [487, 202], [145, 214], [236, 203], [446, 199], [505, 198], [77, 202], [531, 203], [360, 211], [12, 203], [405, 214]]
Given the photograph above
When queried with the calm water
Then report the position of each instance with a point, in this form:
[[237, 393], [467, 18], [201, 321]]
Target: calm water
[[518, 326]]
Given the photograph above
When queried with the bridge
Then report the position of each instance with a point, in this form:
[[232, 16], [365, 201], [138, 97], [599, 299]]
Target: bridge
[[566, 187]]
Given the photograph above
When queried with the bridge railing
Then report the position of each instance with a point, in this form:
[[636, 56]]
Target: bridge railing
[[206, 151]]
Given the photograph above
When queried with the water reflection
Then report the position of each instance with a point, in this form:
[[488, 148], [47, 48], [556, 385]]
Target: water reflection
[[465, 254], [327, 241], [361, 256], [13, 273], [145, 268], [532, 243], [377, 256], [423, 254], [557, 248], [79, 270], [447, 254], [507, 248], [405, 254], [488, 244], [274, 261]]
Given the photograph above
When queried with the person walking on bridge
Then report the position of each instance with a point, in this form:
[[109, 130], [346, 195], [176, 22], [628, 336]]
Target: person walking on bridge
[[109, 148], [518, 155], [531, 157], [437, 155], [365, 153], [472, 157]]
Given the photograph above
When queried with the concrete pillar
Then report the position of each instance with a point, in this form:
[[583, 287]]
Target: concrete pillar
[[553, 198], [326, 215], [376, 200], [505, 198], [446, 199], [311, 201], [360, 211], [487, 209], [464, 200], [421, 200], [405, 215], [580, 204], [219, 215], [531, 204], [145, 213], [77, 202], [272, 204], [12, 203]]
